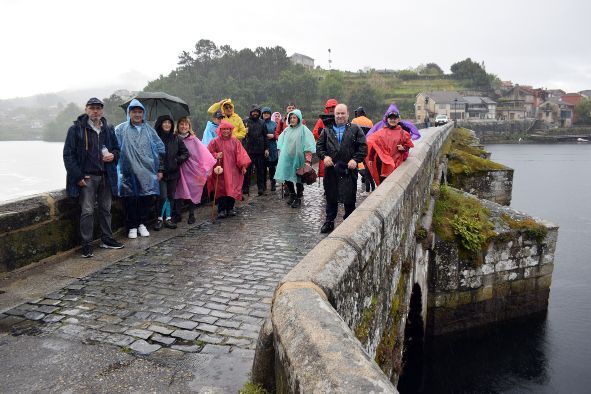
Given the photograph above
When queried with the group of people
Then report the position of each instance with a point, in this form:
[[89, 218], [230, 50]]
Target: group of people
[[136, 161]]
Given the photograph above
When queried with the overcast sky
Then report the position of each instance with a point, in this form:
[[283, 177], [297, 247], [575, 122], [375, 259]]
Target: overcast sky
[[49, 46]]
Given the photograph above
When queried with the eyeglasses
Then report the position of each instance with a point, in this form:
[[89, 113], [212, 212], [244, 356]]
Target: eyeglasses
[[393, 116]]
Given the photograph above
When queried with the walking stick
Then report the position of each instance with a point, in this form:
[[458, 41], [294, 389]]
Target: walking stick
[[215, 193]]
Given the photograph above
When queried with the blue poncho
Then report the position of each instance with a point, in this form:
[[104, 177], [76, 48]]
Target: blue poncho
[[292, 144], [139, 157], [209, 133]]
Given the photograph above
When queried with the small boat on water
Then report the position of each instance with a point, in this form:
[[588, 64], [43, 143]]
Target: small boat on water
[[582, 140]]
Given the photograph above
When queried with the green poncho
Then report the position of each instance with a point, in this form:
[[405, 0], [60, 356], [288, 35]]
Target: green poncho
[[292, 144]]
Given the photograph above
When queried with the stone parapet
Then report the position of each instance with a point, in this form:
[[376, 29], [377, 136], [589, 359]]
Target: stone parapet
[[40, 226], [333, 311]]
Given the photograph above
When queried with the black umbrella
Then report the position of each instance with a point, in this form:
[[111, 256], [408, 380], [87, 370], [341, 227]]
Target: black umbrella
[[160, 103]]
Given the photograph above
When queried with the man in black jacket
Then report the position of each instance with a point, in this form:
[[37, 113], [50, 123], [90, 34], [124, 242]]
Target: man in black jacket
[[341, 146], [257, 148], [90, 156]]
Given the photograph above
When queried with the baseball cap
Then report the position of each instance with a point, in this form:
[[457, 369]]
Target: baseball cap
[[94, 101]]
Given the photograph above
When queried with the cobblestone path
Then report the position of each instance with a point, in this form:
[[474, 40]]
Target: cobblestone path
[[210, 285]]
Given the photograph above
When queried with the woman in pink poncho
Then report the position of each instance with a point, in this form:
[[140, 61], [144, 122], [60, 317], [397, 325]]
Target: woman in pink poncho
[[194, 171], [232, 161]]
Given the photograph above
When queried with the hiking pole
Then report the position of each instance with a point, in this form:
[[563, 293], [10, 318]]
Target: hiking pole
[[215, 193]]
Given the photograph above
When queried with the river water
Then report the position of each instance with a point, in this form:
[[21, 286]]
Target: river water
[[30, 167], [551, 353]]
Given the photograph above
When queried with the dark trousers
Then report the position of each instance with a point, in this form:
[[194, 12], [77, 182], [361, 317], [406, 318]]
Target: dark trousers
[[97, 190], [225, 203], [137, 209], [178, 207], [258, 161], [270, 167], [292, 189], [368, 180], [333, 208], [167, 190]]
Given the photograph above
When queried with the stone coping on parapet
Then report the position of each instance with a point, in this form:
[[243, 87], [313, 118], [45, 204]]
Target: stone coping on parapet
[[315, 348]]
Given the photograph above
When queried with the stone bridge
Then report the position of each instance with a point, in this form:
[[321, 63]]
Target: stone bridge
[[262, 296]]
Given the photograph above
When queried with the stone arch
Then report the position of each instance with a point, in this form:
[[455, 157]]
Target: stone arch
[[412, 356]]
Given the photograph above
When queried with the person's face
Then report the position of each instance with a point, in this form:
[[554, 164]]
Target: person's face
[[184, 127], [226, 133], [94, 112], [341, 114], [227, 109], [330, 110], [293, 120], [167, 126], [256, 114], [137, 115], [393, 120], [217, 120], [266, 116], [289, 108]]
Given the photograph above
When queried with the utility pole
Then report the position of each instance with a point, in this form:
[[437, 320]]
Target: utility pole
[[329, 61]]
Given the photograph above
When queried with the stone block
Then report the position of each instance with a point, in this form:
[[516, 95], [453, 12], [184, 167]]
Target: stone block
[[544, 282], [483, 294], [305, 324]]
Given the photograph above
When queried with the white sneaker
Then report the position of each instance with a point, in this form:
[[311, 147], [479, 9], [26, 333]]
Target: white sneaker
[[143, 231], [132, 233]]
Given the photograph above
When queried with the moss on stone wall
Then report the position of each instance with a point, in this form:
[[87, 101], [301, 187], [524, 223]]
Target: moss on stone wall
[[389, 350], [463, 220], [529, 226], [362, 329], [465, 158]]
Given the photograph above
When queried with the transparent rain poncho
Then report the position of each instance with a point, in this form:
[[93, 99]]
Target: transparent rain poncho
[[292, 144], [139, 157]]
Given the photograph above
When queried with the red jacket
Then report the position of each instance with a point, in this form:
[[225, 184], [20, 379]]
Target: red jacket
[[384, 143]]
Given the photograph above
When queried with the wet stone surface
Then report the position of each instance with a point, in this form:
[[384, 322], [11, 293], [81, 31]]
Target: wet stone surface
[[204, 290]]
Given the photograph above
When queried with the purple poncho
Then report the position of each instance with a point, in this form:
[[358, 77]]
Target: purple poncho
[[412, 129]]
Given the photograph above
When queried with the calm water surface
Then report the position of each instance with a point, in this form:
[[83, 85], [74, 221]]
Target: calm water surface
[[551, 354], [30, 167]]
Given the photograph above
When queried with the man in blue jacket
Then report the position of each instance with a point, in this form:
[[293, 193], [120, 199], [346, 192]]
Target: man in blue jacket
[[91, 152]]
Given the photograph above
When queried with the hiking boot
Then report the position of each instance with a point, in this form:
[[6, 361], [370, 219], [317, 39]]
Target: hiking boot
[[222, 215], [132, 233], [273, 188], [231, 212], [191, 219], [291, 199], [168, 223], [296, 203], [143, 231], [261, 192], [158, 225], [87, 251], [327, 227], [110, 243]]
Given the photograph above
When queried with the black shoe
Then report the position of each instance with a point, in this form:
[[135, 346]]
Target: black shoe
[[169, 223], [222, 215], [261, 192], [273, 188], [291, 199], [231, 212], [327, 227], [158, 225], [191, 219], [110, 243], [87, 251], [177, 218], [296, 203]]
